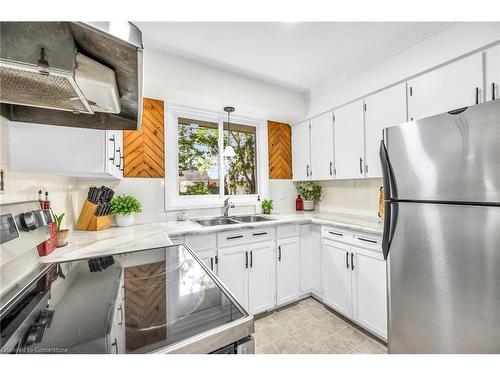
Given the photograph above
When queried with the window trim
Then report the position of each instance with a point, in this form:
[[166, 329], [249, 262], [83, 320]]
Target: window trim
[[173, 200]]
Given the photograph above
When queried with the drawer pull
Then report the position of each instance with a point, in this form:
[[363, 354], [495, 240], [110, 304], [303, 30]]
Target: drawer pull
[[336, 234], [234, 237], [259, 234], [366, 240]]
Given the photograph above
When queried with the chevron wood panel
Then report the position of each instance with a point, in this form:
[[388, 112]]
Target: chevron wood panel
[[145, 305], [279, 138], [144, 153]]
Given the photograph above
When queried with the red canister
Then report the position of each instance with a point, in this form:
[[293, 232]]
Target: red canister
[[299, 203]]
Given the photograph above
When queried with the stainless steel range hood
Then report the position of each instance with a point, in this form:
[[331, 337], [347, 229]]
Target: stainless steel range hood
[[80, 74]]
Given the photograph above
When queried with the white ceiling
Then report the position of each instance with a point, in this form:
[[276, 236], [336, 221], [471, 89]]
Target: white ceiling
[[297, 56]]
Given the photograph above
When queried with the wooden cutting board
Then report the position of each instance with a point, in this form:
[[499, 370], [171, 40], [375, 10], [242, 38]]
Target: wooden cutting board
[[381, 202]]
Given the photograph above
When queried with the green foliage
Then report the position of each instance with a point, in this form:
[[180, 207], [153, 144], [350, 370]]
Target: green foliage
[[124, 205], [267, 204], [200, 188], [59, 219], [308, 190], [199, 151]]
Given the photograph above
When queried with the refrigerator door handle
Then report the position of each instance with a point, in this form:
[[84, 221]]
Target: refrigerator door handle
[[390, 209], [390, 190]]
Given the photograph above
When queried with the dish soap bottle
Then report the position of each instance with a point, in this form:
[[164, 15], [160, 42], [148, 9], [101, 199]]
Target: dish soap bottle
[[299, 203]]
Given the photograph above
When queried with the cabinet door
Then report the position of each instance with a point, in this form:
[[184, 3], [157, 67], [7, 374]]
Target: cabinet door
[[208, 259], [383, 109], [305, 258], [315, 261], [349, 141], [370, 292], [301, 163], [233, 272], [322, 163], [493, 73], [261, 291], [288, 270], [450, 87], [336, 272]]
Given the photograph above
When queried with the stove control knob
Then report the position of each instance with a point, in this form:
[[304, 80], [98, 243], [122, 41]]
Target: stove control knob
[[28, 221]]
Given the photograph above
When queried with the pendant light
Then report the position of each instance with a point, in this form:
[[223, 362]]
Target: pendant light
[[228, 150]]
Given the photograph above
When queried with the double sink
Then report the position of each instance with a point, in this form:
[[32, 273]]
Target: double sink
[[222, 220]]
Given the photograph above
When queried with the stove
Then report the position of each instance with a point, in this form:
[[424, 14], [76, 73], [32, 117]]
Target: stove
[[162, 300]]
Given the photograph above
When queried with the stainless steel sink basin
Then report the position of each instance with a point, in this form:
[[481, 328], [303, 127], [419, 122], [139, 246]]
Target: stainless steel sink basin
[[251, 218], [215, 221], [210, 222]]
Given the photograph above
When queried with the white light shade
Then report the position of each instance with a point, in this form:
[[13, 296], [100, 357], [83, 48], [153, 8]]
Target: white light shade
[[229, 152]]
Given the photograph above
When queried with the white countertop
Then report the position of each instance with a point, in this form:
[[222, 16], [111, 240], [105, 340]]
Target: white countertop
[[84, 244]]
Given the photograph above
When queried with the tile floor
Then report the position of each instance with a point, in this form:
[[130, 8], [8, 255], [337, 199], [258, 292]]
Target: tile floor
[[308, 327]]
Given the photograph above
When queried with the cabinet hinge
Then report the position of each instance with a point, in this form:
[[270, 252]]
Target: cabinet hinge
[[411, 90]]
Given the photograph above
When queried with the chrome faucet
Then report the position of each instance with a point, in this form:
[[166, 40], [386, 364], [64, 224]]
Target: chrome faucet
[[227, 206]]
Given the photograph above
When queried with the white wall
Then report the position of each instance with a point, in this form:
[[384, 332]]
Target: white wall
[[183, 82], [446, 45]]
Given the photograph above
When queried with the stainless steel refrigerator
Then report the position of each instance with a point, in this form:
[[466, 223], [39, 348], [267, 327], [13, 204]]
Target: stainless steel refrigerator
[[442, 232]]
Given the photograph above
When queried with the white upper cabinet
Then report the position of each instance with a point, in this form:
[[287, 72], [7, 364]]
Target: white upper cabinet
[[493, 73], [383, 109], [349, 141], [75, 152], [301, 162], [322, 155], [450, 87]]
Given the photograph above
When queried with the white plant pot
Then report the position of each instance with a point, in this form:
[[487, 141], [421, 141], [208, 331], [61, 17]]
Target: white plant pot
[[308, 205], [124, 220]]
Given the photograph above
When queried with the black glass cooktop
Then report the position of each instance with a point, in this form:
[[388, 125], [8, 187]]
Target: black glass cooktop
[[136, 302]]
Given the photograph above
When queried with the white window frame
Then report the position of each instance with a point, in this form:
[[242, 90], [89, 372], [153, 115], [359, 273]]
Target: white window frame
[[173, 200]]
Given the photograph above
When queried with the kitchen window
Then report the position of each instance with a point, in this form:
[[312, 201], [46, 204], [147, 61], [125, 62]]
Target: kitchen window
[[198, 174]]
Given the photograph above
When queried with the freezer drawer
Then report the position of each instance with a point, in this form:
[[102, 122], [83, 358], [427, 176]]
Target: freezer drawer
[[448, 157], [444, 279]]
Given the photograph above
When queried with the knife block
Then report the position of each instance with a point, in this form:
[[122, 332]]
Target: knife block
[[89, 221]]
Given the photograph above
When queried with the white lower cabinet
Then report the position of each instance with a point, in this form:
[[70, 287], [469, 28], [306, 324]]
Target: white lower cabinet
[[248, 272], [233, 272], [354, 284], [209, 259], [369, 291], [261, 293], [336, 274], [310, 259], [287, 270]]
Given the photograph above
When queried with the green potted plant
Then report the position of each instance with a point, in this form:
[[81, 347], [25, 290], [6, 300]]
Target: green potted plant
[[62, 234], [267, 206], [123, 208], [310, 193]]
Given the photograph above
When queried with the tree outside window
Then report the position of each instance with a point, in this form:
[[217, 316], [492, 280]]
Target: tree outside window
[[199, 168]]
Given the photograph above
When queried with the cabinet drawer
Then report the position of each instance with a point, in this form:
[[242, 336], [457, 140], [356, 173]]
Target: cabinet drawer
[[201, 242], [245, 236], [368, 241], [335, 234], [288, 230]]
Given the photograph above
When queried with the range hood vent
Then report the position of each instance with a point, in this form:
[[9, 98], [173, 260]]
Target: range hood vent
[[72, 74]]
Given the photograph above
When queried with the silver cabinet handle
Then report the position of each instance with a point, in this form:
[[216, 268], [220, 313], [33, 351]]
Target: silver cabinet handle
[[279, 253], [336, 234], [493, 93], [352, 261], [112, 139], [251, 259], [121, 315], [212, 263], [119, 165], [331, 168], [246, 259], [347, 259], [234, 237], [361, 165], [307, 170], [115, 344]]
